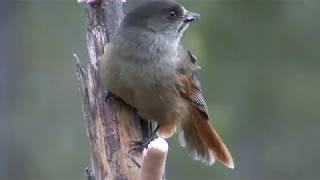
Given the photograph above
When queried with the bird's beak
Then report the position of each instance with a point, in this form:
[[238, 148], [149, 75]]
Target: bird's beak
[[189, 16]]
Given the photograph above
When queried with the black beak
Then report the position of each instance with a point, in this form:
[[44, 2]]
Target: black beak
[[189, 16]]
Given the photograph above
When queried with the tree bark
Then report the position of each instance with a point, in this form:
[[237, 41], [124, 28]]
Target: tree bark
[[110, 123]]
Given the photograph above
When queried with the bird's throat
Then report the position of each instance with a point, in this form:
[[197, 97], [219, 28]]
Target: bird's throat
[[183, 27]]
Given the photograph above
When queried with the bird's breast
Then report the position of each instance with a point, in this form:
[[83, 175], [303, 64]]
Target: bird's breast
[[144, 76]]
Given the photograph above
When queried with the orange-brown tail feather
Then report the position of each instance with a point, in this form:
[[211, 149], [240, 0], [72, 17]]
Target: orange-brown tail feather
[[202, 140]]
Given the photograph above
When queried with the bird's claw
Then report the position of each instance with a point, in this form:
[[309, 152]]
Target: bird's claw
[[139, 146]]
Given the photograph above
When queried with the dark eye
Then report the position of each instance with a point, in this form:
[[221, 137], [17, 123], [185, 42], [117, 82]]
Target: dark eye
[[172, 13]]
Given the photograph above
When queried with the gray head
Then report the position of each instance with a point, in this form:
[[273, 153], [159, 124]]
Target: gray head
[[160, 16]]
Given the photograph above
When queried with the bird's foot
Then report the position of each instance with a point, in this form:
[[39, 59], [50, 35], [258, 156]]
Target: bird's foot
[[139, 146], [134, 161]]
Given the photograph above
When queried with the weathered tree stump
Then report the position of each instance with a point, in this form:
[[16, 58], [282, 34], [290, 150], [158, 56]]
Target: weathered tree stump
[[110, 123]]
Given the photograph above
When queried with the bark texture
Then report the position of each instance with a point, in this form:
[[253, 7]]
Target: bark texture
[[110, 123]]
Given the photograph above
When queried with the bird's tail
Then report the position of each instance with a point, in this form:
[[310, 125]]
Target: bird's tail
[[202, 140]]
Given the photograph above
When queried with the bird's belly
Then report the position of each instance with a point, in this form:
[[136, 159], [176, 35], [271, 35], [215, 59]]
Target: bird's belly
[[151, 90], [155, 100], [166, 109], [158, 104]]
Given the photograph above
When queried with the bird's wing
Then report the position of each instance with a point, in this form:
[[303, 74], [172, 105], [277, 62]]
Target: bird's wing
[[197, 133], [188, 84]]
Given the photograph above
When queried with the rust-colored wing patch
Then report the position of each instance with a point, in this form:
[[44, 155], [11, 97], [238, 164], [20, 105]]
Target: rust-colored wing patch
[[189, 90]]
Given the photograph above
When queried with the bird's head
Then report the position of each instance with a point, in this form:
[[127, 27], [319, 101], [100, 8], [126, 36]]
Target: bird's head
[[161, 16]]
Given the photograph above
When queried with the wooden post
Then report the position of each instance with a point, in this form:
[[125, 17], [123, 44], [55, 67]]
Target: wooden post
[[110, 123]]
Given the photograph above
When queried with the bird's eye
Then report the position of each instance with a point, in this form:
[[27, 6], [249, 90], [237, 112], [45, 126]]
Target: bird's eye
[[172, 13]]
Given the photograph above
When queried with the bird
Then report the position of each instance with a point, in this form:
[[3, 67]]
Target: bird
[[148, 67]]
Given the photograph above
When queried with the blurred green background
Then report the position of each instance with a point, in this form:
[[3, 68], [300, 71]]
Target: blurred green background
[[260, 74]]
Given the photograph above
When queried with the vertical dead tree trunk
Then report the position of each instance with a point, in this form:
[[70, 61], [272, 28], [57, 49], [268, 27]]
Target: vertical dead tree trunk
[[110, 123]]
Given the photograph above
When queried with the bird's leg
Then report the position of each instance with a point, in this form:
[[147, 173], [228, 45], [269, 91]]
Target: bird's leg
[[139, 146]]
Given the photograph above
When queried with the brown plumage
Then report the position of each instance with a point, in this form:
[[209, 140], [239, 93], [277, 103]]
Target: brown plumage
[[147, 66], [199, 136]]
